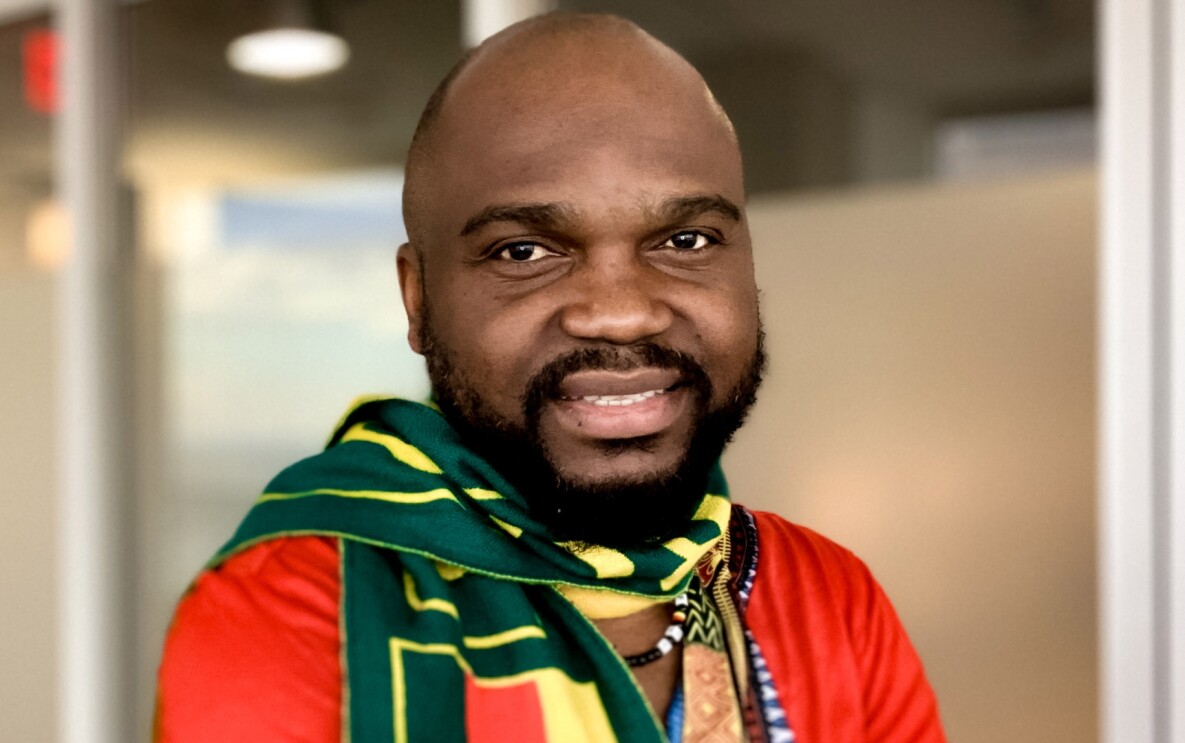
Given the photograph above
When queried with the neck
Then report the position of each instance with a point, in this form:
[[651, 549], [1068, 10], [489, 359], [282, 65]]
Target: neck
[[638, 632]]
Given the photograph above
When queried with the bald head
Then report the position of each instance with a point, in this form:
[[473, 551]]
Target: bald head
[[555, 78], [575, 207]]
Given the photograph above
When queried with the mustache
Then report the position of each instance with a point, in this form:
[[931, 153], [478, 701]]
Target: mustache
[[545, 384]]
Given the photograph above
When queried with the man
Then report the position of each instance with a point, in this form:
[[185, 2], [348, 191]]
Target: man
[[549, 554]]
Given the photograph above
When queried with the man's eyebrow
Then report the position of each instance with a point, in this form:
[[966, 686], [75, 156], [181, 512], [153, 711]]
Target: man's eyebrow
[[680, 208], [542, 215], [549, 215]]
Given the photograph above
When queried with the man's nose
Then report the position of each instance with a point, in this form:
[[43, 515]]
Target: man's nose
[[617, 299]]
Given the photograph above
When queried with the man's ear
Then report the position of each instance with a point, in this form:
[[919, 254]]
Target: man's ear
[[407, 260]]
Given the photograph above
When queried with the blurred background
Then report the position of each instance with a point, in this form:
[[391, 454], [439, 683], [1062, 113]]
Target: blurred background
[[922, 187]]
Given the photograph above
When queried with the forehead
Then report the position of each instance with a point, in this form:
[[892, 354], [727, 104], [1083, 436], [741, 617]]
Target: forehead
[[595, 130]]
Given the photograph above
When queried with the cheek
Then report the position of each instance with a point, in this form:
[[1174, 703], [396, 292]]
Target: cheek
[[727, 325], [493, 342]]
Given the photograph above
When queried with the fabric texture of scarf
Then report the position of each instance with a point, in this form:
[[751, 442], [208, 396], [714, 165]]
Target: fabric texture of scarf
[[463, 620]]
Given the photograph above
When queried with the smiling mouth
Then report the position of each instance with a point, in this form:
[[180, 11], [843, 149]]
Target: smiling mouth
[[618, 400], [604, 405]]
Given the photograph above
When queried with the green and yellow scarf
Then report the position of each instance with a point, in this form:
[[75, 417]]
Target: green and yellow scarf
[[462, 620]]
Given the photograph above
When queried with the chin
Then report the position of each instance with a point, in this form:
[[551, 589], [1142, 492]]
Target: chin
[[617, 461], [620, 512], [628, 493]]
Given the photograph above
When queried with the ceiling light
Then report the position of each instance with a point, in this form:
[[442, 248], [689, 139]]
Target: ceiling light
[[481, 19], [298, 43], [288, 53]]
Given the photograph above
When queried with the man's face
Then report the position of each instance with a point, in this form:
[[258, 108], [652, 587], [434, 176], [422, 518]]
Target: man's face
[[586, 301]]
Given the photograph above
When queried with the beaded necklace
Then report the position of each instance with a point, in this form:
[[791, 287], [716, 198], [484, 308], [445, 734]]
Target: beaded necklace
[[672, 637]]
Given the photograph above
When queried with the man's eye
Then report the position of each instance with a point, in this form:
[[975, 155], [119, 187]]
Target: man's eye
[[523, 252], [689, 241]]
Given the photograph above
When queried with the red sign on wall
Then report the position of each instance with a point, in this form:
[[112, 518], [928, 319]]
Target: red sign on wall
[[40, 51]]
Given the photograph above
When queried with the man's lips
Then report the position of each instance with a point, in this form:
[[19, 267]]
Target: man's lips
[[618, 384], [616, 400], [612, 405]]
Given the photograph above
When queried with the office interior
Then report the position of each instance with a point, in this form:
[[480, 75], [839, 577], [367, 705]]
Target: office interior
[[922, 185]]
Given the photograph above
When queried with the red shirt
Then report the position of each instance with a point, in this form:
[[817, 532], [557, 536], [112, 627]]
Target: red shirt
[[253, 651]]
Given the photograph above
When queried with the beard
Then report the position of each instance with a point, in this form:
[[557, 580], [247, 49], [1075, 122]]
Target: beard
[[620, 511]]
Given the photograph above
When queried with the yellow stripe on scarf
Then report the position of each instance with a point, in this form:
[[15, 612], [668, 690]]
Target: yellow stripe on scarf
[[410, 499], [714, 508], [498, 639], [604, 604], [608, 562], [511, 529], [356, 403], [483, 494], [690, 552], [418, 604], [399, 448], [607, 604], [449, 572]]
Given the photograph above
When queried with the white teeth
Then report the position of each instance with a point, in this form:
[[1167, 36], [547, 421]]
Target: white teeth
[[604, 400]]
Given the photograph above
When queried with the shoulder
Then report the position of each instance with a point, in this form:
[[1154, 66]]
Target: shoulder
[[780, 535], [790, 553], [803, 574], [833, 641], [253, 652]]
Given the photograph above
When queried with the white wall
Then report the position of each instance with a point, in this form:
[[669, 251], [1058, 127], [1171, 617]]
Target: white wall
[[930, 404]]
